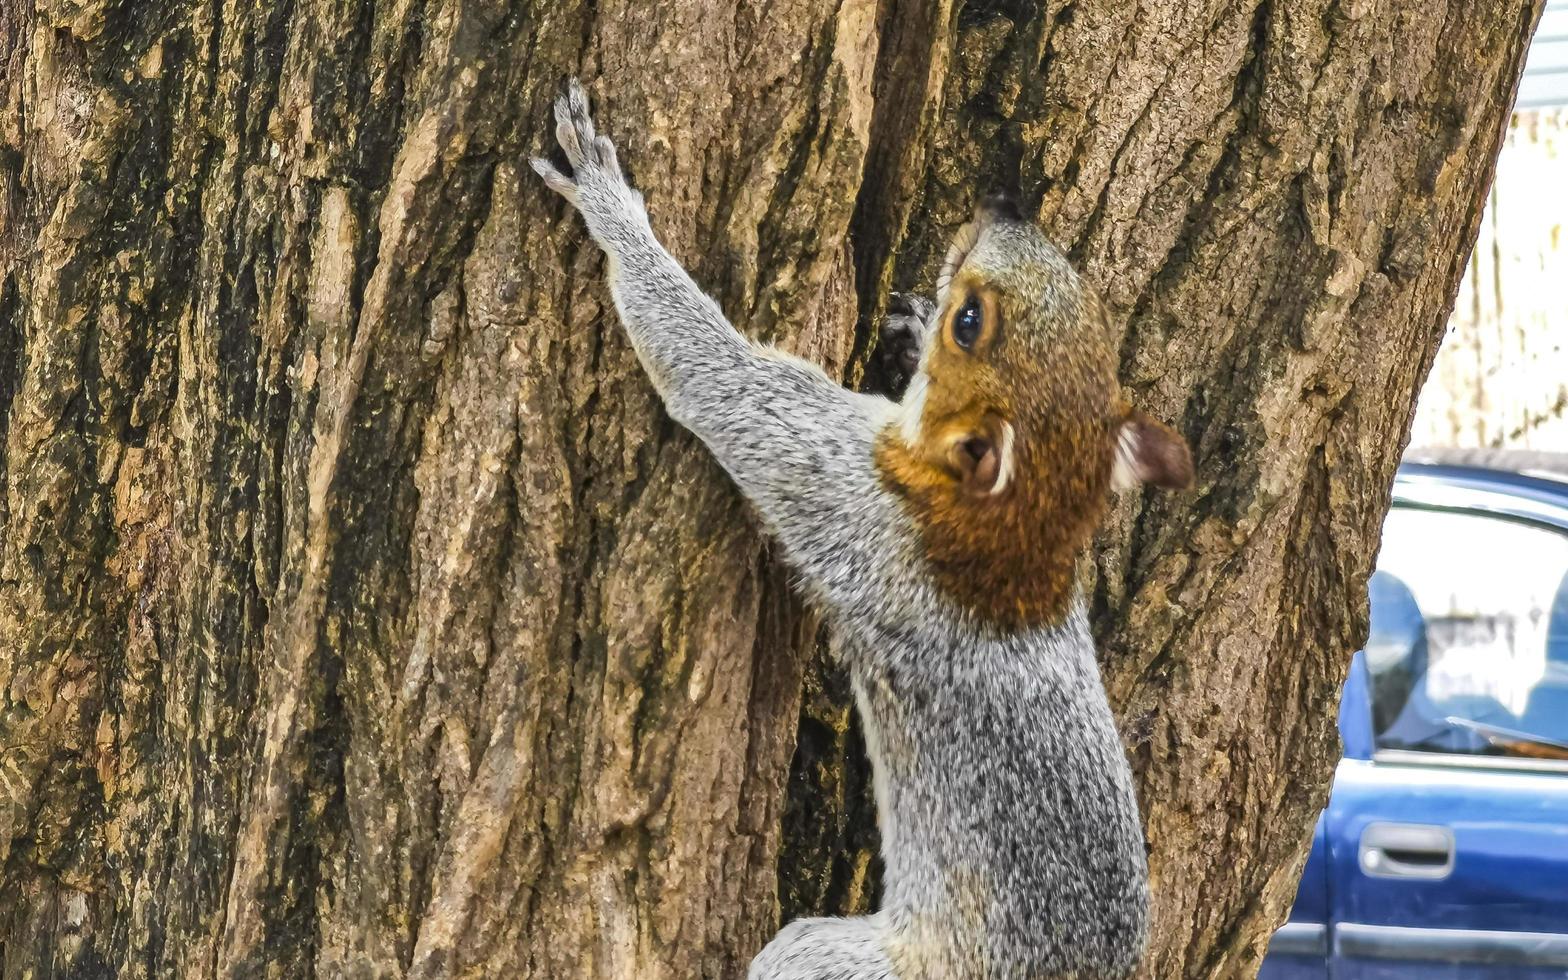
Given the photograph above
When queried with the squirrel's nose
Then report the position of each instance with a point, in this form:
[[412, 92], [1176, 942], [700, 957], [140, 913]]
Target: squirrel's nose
[[999, 205]]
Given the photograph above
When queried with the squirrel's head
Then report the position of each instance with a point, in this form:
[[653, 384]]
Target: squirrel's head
[[1014, 428]]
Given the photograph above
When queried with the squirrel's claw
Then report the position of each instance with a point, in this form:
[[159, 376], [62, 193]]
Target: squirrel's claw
[[573, 125], [585, 149], [574, 130], [901, 337], [554, 179], [904, 329], [910, 305], [606, 152]]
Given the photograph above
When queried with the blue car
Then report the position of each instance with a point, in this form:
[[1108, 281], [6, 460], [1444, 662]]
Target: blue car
[[1444, 849]]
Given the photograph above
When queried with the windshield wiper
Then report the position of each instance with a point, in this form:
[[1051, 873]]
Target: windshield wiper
[[1512, 740]]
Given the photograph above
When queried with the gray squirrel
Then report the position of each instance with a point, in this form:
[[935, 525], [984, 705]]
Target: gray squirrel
[[940, 536]]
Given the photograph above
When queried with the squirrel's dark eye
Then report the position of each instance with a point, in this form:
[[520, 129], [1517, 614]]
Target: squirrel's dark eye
[[966, 324]]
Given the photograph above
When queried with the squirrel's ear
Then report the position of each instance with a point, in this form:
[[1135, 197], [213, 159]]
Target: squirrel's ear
[[963, 243], [1148, 451]]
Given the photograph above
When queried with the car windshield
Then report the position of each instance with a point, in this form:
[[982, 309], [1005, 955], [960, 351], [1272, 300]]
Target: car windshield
[[1468, 651]]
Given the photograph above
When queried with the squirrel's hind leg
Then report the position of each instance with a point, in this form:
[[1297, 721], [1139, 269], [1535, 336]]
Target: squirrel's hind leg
[[826, 949]]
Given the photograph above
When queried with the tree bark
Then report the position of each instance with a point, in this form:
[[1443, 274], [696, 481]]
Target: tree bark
[[361, 614]]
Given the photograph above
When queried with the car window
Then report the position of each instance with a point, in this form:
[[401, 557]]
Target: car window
[[1468, 651]]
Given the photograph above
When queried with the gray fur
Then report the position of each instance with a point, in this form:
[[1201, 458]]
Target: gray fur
[[1010, 829]]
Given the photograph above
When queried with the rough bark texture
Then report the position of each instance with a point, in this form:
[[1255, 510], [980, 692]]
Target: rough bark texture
[[360, 612]]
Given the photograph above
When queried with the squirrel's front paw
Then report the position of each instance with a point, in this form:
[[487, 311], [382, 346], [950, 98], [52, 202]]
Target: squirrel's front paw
[[901, 338], [596, 186]]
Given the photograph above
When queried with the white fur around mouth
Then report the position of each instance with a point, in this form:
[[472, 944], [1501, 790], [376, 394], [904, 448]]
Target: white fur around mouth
[[914, 407], [1005, 473]]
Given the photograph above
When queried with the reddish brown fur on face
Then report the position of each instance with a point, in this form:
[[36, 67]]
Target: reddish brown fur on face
[[1011, 556]]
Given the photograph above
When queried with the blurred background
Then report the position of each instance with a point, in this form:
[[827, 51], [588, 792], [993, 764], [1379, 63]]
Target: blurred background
[[1501, 376]]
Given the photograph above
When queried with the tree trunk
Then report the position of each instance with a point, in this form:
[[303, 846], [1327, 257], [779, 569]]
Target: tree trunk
[[361, 614]]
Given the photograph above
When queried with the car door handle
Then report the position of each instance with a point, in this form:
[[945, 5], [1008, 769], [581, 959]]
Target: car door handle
[[1407, 850]]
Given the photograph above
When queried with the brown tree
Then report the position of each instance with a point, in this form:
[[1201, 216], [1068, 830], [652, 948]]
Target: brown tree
[[361, 614]]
